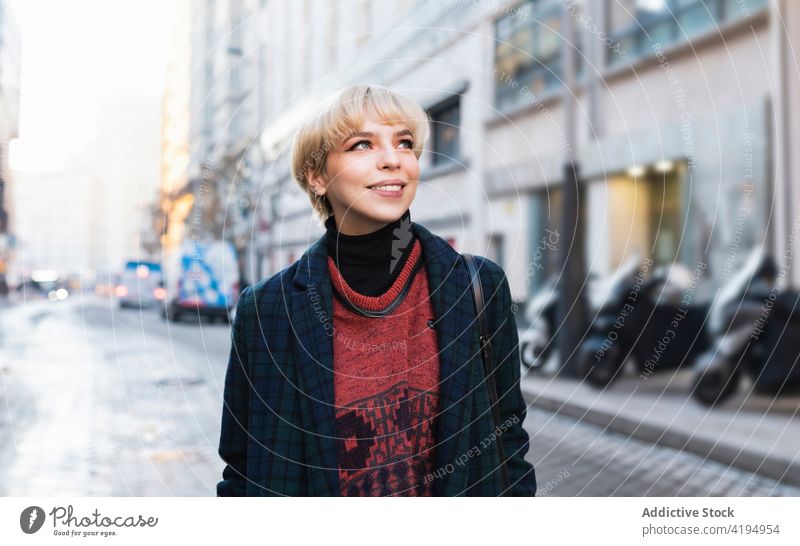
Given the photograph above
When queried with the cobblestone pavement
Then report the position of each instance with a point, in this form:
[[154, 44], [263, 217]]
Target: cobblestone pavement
[[573, 458]]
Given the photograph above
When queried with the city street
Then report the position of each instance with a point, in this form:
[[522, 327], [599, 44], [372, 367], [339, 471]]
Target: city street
[[621, 171], [100, 401]]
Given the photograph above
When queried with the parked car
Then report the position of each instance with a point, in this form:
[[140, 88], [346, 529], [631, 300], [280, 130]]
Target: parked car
[[138, 283]]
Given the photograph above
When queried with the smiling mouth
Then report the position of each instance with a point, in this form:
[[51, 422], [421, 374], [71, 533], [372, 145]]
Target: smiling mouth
[[388, 187]]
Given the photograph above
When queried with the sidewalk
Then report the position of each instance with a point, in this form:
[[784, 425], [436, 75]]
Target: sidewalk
[[756, 433]]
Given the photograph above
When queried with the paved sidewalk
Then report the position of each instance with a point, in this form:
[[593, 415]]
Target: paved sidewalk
[[577, 459], [754, 433]]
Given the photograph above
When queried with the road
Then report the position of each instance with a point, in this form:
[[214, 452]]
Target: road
[[99, 401]]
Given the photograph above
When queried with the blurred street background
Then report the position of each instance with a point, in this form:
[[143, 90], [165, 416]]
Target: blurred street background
[[631, 164]]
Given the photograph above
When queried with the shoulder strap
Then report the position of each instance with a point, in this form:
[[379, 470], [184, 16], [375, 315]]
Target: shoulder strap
[[486, 352]]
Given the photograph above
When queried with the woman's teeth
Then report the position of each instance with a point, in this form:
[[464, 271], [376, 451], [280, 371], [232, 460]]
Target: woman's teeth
[[396, 187]]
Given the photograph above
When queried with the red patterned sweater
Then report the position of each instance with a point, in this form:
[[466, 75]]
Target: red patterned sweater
[[386, 375]]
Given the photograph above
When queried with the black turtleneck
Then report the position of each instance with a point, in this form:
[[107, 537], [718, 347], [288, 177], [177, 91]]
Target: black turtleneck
[[371, 263]]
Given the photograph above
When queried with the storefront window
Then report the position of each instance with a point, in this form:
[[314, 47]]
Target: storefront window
[[641, 215], [664, 195]]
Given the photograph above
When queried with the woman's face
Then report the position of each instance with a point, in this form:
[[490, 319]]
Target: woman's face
[[371, 177]]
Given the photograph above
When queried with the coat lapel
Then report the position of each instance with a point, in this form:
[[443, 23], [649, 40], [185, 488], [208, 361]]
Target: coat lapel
[[458, 343], [311, 316]]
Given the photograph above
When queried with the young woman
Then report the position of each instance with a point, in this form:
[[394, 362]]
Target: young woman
[[357, 370]]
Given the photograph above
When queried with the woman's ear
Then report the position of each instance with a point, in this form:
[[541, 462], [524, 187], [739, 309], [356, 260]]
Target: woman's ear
[[317, 183]]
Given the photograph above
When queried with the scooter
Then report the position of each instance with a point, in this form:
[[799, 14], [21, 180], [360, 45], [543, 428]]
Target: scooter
[[643, 317], [536, 343], [756, 333]]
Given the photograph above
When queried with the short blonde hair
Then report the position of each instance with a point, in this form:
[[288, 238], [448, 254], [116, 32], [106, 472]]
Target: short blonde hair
[[341, 115]]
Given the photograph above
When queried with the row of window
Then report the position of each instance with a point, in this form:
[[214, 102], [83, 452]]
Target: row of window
[[529, 43], [640, 24]]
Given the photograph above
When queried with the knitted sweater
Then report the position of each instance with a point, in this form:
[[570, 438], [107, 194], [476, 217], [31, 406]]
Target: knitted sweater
[[386, 375]]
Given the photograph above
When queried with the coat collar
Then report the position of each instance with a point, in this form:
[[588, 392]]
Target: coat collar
[[311, 316]]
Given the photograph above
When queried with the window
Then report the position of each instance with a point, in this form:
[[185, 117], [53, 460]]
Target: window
[[528, 49], [639, 24], [445, 121], [642, 215]]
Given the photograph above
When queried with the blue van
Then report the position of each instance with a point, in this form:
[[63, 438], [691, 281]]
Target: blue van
[[202, 280]]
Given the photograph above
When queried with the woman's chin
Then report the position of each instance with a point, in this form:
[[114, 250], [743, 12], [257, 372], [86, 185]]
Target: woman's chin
[[386, 212], [387, 217]]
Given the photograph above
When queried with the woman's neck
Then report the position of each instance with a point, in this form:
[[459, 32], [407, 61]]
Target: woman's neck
[[369, 263], [376, 247]]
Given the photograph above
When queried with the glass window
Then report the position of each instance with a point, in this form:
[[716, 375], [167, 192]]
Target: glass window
[[665, 216], [638, 24], [445, 120], [528, 51], [620, 15], [733, 9], [695, 18], [547, 38], [662, 32], [642, 215]]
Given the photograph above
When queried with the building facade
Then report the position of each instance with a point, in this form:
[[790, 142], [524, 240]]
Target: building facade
[[684, 119]]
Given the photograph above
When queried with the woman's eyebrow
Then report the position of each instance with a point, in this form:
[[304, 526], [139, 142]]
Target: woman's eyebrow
[[367, 134]]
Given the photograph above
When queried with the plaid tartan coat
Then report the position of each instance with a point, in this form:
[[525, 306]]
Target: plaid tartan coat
[[278, 435]]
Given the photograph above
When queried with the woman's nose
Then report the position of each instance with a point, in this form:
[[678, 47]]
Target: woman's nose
[[388, 158]]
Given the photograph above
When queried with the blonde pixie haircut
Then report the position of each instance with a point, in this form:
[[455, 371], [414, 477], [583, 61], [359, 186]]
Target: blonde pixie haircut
[[343, 114]]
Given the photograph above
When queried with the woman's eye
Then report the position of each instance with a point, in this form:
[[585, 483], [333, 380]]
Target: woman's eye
[[357, 145], [365, 144]]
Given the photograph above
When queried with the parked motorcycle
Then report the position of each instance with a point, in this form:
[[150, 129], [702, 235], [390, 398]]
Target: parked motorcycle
[[536, 343], [756, 334], [643, 317]]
